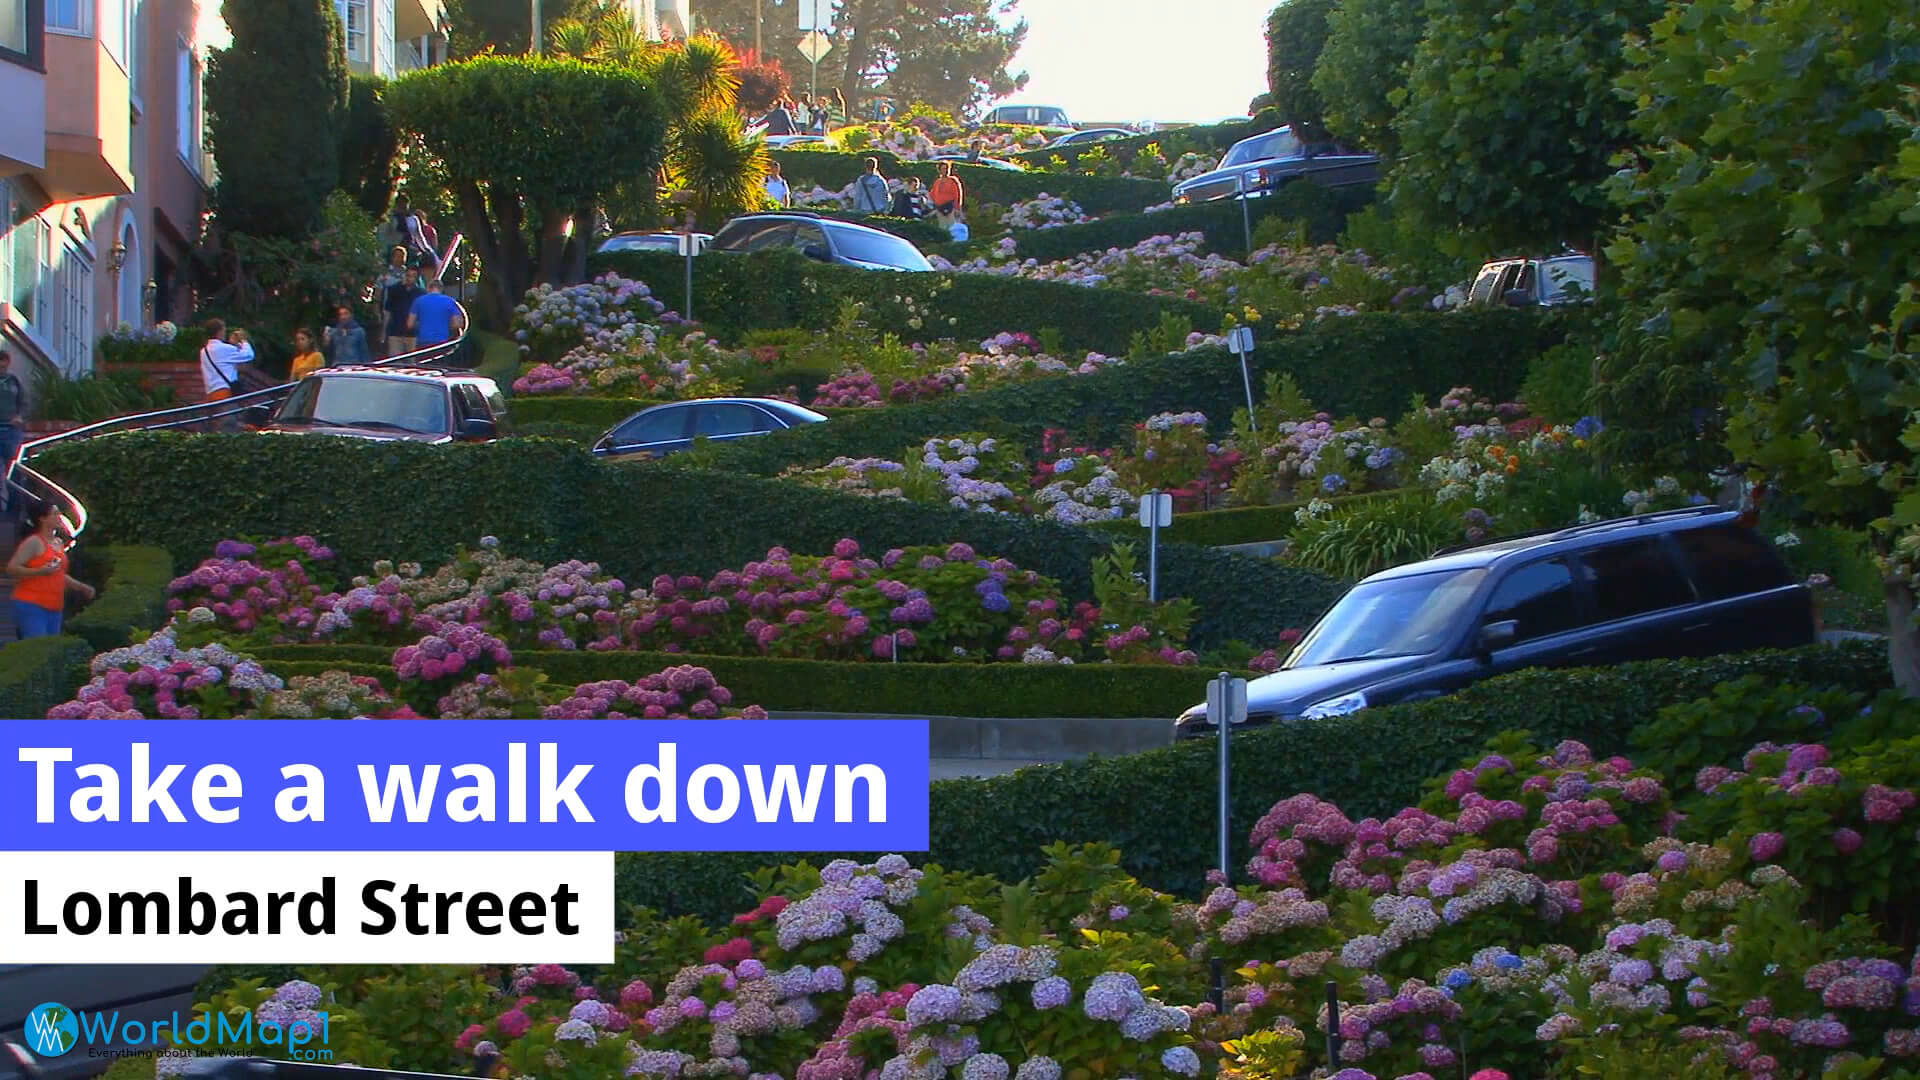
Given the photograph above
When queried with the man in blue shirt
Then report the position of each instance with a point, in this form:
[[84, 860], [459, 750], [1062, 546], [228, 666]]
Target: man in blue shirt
[[435, 317]]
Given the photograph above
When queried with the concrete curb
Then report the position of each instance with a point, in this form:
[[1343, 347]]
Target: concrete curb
[[1025, 738]]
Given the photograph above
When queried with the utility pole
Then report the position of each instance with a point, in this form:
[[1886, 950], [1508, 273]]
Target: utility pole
[[756, 28], [539, 32]]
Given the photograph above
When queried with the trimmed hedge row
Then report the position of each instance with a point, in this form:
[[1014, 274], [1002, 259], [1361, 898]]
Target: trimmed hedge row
[[1158, 807], [552, 501], [734, 294], [1198, 138], [1006, 690], [39, 673], [834, 170], [133, 597], [1220, 528], [1364, 365], [1323, 210]]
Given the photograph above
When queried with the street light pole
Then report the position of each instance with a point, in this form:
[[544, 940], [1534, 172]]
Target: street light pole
[[756, 27], [539, 42]]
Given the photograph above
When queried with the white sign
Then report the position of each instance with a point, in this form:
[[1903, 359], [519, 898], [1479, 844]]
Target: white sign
[[1156, 509], [816, 15], [1227, 701], [814, 45], [1240, 339]]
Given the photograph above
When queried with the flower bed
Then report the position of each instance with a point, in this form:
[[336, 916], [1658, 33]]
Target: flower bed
[[1541, 909]]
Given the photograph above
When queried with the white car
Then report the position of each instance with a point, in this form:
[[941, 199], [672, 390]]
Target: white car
[[1549, 282]]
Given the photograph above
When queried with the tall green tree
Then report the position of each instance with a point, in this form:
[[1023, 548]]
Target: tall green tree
[[368, 146], [276, 101], [1775, 254], [1296, 34], [1361, 75], [530, 145], [1511, 118], [502, 26]]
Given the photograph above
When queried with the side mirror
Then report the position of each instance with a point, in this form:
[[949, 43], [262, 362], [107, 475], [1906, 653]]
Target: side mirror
[[1497, 635], [257, 416], [477, 429], [817, 252], [603, 444]]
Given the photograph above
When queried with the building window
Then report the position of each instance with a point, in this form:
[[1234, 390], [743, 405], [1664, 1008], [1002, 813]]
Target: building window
[[20, 32], [74, 282], [383, 40], [353, 20], [69, 16], [24, 249], [191, 107]]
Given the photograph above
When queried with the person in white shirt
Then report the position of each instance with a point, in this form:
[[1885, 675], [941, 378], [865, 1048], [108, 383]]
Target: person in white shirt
[[777, 187], [220, 362]]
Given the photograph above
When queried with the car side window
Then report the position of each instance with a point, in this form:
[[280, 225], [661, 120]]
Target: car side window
[[1483, 285], [471, 405], [729, 418], [664, 425], [1634, 578], [1542, 599], [777, 235], [806, 236], [1730, 561], [497, 405]]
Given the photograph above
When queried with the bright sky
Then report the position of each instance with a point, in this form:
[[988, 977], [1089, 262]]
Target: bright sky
[[1109, 60], [1132, 60]]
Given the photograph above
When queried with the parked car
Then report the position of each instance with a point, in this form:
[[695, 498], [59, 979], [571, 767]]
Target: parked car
[[670, 428], [987, 162], [829, 240], [1550, 282], [654, 240], [1680, 583], [1028, 115], [138, 992], [414, 404], [1267, 162], [1090, 135], [788, 142]]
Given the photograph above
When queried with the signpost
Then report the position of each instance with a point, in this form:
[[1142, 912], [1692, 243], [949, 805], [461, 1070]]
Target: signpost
[[1240, 340], [687, 249], [1156, 513], [813, 45], [1226, 706]]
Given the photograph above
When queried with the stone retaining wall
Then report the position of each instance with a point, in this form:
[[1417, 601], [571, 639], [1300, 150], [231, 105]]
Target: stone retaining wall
[[1026, 738]]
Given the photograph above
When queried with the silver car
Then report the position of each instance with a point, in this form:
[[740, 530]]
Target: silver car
[[1268, 161]]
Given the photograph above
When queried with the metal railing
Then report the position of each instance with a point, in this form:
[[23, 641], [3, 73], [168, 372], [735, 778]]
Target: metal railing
[[25, 482]]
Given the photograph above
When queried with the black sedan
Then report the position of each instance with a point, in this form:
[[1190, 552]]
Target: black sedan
[[665, 429]]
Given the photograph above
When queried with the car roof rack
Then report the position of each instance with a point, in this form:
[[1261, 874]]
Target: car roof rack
[[1567, 532]]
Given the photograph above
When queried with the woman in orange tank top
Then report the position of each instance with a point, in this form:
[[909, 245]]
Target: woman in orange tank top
[[39, 572]]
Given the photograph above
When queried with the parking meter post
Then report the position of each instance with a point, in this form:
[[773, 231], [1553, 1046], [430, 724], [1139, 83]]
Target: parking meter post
[[1153, 548], [1246, 219], [1240, 340], [686, 246]]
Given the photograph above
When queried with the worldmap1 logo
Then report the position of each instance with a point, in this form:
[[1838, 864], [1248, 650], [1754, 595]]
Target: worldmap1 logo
[[52, 1030]]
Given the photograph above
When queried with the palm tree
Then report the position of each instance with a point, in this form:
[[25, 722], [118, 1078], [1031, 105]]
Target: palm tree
[[712, 158]]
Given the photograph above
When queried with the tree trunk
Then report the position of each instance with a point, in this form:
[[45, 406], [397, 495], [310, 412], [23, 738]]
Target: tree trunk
[[486, 241], [1903, 639], [857, 50]]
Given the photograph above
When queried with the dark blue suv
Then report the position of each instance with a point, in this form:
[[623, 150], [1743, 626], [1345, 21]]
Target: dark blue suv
[[826, 239], [1680, 583]]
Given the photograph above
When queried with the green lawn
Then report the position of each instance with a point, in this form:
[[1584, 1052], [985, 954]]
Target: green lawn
[[499, 359]]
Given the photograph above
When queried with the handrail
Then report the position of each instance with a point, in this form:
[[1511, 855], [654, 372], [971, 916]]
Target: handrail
[[24, 481]]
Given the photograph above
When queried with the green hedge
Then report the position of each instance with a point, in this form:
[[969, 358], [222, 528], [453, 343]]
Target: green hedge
[[921, 233], [133, 598], [1220, 528], [1363, 365], [983, 183], [1173, 142], [1325, 212], [551, 501], [39, 673], [1005, 690], [734, 294], [1158, 807]]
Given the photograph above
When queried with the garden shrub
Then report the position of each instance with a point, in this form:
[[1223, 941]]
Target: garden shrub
[[1158, 806], [785, 685], [1324, 212], [551, 501], [1221, 528], [984, 184], [734, 295], [39, 673], [1364, 366], [1211, 139], [133, 597]]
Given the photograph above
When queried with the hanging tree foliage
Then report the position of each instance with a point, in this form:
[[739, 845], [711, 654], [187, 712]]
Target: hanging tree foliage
[[276, 104], [530, 144]]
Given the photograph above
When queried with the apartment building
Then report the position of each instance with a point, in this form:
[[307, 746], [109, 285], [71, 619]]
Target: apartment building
[[392, 37], [103, 171]]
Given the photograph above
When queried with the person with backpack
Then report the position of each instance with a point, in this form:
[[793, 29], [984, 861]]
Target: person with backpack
[[946, 194], [870, 194], [220, 363]]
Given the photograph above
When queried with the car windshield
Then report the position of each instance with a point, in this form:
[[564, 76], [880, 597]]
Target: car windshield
[[1278, 143], [653, 242], [1405, 616], [370, 402], [878, 247], [1567, 278]]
